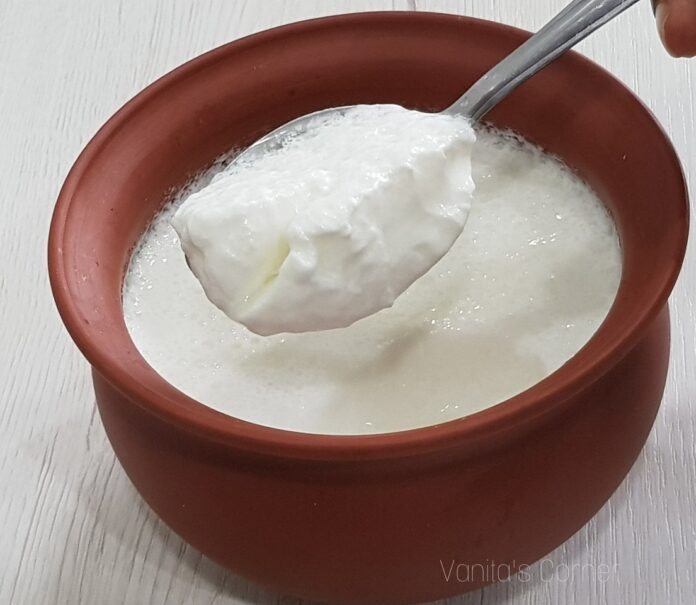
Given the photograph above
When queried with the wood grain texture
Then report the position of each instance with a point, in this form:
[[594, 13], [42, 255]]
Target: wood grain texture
[[72, 529]]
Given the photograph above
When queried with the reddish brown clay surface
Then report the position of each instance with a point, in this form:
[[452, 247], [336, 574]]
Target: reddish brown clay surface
[[374, 519]]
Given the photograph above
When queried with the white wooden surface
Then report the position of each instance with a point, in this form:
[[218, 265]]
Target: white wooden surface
[[72, 529]]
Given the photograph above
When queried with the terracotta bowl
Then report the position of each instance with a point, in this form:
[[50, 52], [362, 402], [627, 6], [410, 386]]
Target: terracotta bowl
[[374, 519]]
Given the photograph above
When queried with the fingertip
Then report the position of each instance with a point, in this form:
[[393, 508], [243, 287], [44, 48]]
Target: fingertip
[[676, 23]]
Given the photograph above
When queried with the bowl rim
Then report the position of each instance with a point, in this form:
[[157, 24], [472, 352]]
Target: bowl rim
[[484, 428]]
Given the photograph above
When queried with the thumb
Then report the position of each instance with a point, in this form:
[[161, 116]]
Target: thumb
[[676, 22]]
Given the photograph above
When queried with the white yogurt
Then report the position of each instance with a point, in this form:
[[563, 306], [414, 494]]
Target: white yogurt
[[334, 225], [520, 292]]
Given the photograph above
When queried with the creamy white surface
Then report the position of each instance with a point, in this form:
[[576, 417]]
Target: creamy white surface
[[525, 286], [334, 225]]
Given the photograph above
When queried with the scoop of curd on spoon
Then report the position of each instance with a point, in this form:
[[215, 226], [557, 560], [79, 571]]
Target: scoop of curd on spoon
[[329, 218]]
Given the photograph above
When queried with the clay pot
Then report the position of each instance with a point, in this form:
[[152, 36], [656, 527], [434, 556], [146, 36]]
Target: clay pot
[[374, 519]]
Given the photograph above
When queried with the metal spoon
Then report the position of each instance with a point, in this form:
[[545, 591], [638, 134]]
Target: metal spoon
[[574, 23]]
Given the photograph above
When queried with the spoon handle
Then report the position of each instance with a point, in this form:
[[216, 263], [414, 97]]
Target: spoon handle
[[574, 23]]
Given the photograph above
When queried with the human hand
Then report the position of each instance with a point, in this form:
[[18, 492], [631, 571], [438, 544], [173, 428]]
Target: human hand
[[676, 22]]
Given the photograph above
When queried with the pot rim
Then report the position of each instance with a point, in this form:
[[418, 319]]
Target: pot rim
[[485, 428]]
